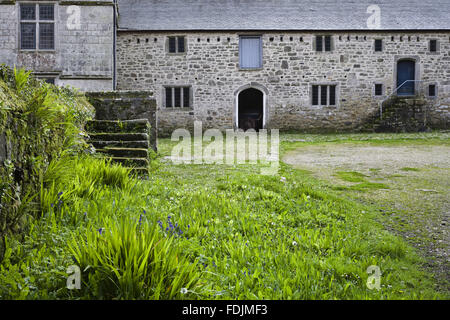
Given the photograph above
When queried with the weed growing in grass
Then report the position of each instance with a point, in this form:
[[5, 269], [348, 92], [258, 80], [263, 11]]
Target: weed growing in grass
[[409, 169], [351, 176]]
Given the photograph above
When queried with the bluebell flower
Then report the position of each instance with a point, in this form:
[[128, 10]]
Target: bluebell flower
[[100, 230]]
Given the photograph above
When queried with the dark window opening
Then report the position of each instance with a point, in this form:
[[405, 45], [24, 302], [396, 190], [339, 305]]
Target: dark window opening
[[180, 44], [315, 95], [323, 43], [250, 105], [378, 45], [432, 90], [332, 95], [433, 45], [176, 45], [48, 80], [178, 97], [378, 89], [319, 43], [324, 95], [327, 43]]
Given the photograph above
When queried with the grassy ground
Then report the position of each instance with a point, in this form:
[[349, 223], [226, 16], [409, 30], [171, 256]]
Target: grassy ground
[[207, 232], [413, 201]]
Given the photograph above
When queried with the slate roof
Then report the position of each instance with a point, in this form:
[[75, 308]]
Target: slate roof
[[281, 14]]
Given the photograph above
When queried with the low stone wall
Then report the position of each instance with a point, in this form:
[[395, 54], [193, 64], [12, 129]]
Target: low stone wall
[[126, 105]]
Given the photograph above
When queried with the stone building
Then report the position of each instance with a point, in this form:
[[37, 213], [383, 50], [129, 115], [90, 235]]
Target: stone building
[[287, 64], [65, 42]]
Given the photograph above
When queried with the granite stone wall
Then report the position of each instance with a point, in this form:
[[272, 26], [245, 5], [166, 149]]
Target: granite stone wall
[[83, 57], [290, 67]]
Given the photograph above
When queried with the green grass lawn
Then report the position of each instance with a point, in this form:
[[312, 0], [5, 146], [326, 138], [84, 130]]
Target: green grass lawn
[[207, 232]]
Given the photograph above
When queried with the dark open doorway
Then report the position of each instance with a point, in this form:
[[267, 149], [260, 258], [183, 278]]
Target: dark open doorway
[[250, 106]]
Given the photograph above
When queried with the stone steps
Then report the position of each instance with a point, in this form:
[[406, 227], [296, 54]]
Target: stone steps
[[123, 141], [118, 126], [143, 144], [125, 152], [118, 136]]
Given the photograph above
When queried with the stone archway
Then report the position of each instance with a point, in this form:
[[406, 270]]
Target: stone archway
[[251, 107]]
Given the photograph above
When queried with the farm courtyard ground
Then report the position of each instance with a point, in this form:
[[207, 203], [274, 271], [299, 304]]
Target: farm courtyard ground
[[407, 176]]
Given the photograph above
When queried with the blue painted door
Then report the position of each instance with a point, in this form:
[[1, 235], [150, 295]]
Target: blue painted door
[[406, 70]]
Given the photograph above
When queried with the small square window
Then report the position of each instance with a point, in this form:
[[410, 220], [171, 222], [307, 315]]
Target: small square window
[[176, 45], [323, 43], [378, 89], [432, 90], [378, 45]]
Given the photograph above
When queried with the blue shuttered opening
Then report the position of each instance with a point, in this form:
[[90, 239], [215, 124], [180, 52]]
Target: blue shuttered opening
[[406, 70], [250, 52]]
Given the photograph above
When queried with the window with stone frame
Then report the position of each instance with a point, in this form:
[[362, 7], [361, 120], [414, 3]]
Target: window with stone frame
[[37, 26], [177, 97], [324, 95], [432, 90], [378, 45], [433, 45], [176, 44], [250, 52], [378, 89], [323, 43]]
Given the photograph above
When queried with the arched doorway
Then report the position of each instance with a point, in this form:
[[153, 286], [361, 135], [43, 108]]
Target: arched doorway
[[406, 70], [250, 109]]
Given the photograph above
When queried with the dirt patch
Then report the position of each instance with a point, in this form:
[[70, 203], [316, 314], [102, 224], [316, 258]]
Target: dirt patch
[[414, 203], [356, 157]]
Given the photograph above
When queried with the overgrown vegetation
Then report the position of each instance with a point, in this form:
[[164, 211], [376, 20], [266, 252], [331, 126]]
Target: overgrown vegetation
[[204, 232], [38, 122]]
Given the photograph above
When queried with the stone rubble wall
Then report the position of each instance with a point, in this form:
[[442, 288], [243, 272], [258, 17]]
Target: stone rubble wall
[[290, 67]]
